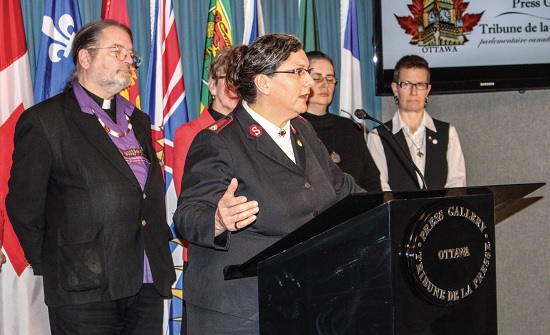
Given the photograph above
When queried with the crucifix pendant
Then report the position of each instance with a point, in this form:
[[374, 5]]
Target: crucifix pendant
[[419, 154]]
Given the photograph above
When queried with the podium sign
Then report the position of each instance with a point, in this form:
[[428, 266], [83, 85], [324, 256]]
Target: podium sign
[[394, 263], [449, 252], [406, 267]]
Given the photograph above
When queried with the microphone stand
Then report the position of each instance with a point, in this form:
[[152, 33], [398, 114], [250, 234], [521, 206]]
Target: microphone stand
[[361, 114], [357, 124]]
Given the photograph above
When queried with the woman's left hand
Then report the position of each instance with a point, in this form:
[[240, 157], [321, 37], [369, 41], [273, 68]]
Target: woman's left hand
[[234, 213]]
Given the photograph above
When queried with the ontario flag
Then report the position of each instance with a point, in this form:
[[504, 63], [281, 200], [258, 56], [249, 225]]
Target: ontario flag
[[351, 96], [167, 108], [54, 63], [22, 308], [117, 10], [218, 36]]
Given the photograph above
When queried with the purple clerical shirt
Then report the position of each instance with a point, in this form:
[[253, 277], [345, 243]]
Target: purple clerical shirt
[[128, 145]]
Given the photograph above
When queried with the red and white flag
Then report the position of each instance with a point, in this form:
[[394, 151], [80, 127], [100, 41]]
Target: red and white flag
[[167, 109], [117, 10], [22, 308]]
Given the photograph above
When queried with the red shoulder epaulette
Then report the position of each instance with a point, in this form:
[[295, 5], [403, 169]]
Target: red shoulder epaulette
[[221, 123]]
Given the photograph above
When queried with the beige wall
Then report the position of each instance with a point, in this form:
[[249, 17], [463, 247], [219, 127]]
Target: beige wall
[[505, 137]]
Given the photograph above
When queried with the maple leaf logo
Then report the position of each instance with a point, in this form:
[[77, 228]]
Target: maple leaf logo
[[410, 23], [429, 19]]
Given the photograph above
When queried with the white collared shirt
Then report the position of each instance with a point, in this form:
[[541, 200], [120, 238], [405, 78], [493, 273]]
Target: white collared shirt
[[456, 175], [284, 142]]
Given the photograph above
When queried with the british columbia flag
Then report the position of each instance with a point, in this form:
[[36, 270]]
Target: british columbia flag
[[167, 108]]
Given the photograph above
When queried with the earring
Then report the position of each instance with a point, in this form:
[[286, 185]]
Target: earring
[[396, 99], [426, 102]]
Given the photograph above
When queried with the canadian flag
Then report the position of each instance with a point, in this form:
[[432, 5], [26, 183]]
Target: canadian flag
[[22, 308]]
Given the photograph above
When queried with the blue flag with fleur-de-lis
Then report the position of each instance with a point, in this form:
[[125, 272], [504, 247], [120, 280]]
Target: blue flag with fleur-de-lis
[[54, 63]]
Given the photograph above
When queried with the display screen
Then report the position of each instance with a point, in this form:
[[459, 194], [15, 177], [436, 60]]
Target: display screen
[[471, 46]]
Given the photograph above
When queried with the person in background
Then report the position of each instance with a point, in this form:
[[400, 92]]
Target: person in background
[[433, 145], [223, 102], [250, 179], [343, 138], [86, 196]]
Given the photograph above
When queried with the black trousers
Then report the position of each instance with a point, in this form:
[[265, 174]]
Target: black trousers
[[201, 321], [140, 314]]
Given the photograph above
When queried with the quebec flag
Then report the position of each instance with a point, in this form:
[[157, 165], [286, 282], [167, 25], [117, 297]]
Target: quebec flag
[[54, 62], [351, 96]]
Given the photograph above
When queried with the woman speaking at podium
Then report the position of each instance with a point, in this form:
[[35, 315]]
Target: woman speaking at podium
[[250, 179]]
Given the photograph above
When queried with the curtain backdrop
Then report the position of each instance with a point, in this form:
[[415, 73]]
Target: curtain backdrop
[[191, 15]]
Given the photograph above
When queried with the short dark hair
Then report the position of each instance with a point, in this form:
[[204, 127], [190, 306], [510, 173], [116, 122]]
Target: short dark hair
[[410, 62], [263, 56], [312, 56]]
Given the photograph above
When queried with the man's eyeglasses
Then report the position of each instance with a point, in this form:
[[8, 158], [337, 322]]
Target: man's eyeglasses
[[419, 86], [318, 78], [122, 52], [300, 71]]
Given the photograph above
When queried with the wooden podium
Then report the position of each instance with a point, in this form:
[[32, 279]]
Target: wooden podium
[[418, 262]]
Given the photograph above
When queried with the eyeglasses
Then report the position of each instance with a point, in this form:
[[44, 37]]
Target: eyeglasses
[[419, 86], [300, 71], [122, 52], [318, 78]]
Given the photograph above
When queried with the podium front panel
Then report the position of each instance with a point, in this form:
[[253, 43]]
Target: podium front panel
[[364, 275], [297, 297]]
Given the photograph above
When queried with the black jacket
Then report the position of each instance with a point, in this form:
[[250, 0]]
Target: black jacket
[[288, 195], [79, 211]]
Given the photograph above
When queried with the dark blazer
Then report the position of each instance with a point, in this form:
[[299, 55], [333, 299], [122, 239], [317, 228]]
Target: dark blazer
[[345, 137], [288, 194], [79, 211]]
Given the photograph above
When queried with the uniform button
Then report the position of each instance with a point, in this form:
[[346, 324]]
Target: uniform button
[[143, 223], [315, 213], [307, 184], [144, 196]]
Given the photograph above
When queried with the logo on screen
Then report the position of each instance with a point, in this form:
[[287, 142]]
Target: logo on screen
[[443, 22]]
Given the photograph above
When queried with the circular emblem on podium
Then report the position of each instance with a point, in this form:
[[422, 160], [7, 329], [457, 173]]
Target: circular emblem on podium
[[448, 252]]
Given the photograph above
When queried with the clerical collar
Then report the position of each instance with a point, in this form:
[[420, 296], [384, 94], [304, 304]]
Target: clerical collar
[[89, 106], [105, 104]]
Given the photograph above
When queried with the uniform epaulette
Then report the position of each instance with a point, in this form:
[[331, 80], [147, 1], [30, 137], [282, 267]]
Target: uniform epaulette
[[221, 123]]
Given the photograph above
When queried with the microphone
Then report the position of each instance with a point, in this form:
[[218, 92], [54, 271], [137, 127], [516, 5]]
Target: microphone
[[361, 114], [357, 124]]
